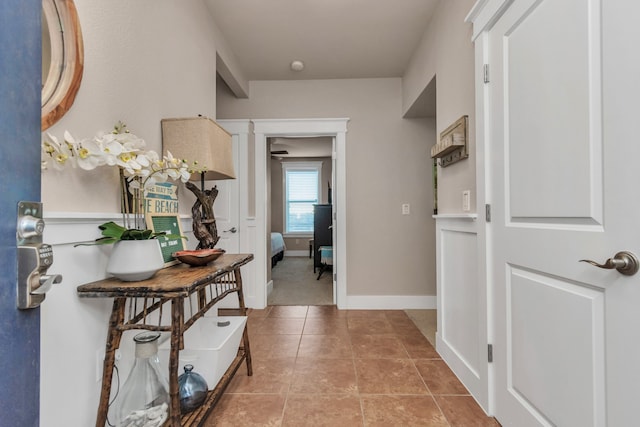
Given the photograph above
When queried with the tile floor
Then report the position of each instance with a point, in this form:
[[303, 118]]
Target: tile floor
[[319, 366]]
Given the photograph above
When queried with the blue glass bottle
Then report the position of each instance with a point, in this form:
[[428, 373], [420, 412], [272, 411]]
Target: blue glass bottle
[[193, 389]]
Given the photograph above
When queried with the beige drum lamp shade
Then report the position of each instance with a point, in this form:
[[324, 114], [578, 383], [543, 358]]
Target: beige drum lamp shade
[[203, 140]]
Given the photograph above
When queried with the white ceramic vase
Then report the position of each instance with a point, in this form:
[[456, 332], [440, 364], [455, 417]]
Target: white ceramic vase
[[133, 260]]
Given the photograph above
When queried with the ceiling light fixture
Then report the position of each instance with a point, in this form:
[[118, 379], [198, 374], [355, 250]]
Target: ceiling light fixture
[[297, 65]]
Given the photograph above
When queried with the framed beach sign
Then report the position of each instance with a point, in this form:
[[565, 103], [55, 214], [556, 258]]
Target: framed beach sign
[[170, 224]]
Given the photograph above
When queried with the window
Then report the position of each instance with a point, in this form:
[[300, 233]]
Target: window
[[301, 192]]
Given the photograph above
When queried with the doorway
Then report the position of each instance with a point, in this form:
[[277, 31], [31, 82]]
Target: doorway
[[300, 200], [300, 128]]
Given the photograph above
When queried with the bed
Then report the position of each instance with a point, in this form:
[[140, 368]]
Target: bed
[[277, 248]]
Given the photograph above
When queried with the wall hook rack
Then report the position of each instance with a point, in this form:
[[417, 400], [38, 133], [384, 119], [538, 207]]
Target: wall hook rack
[[453, 143]]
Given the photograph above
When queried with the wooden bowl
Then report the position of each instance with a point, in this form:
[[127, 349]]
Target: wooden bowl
[[198, 257]]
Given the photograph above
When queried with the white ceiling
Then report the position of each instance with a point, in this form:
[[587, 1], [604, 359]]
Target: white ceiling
[[334, 38]]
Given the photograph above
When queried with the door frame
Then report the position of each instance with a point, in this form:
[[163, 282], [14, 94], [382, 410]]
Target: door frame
[[482, 16], [267, 128], [233, 186]]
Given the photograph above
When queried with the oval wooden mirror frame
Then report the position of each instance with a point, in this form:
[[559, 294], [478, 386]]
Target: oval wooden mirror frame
[[62, 81]]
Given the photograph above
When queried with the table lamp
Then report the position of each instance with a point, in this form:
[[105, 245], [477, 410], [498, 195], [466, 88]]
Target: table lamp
[[202, 140]]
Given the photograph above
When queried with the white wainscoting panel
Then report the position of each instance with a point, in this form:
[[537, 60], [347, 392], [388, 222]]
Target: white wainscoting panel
[[459, 296], [461, 337]]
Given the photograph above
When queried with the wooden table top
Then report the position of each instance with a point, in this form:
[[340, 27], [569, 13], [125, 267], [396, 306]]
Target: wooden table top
[[175, 281]]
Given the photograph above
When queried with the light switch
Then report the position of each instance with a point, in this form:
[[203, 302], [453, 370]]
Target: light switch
[[466, 200], [406, 209]]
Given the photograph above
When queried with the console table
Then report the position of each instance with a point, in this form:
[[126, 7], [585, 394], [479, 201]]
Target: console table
[[171, 301]]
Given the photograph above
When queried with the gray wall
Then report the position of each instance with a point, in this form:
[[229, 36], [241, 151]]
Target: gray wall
[[135, 56], [446, 52], [387, 164]]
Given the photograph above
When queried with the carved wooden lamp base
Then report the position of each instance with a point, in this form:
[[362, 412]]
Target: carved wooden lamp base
[[204, 222]]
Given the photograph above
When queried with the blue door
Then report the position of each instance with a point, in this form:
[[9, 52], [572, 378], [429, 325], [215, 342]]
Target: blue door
[[20, 80]]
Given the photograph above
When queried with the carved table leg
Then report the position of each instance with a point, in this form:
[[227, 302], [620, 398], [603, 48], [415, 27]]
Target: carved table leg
[[113, 343], [245, 334], [177, 318]]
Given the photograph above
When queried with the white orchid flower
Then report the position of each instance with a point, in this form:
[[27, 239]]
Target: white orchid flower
[[59, 155], [185, 175], [50, 144], [173, 174], [160, 175], [143, 160], [143, 168], [89, 155], [127, 161], [48, 148], [152, 156], [110, 152], [128, 141]]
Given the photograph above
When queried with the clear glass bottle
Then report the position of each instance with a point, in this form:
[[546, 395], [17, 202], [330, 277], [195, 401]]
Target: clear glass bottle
[[193, 389], [144, 397]]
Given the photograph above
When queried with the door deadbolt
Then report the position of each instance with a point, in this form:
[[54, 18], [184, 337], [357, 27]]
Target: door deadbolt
[[34, 257]]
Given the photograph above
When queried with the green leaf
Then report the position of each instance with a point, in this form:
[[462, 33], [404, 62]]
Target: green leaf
[[111, 229], [113, 232]]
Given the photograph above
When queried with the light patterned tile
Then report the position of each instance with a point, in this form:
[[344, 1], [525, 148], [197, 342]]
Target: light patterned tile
[[324, 376], [343, 368], [388, 376], [253, 312], [325, 347], [269, 346], [325, 311], [326, 326], [405, 411], [370, 314], [464, 411], [280, 325], [320, 410], [439, 378], [377, 347], [269, 376], [289, 311], [247, 410], [418, 347], [366, 325]]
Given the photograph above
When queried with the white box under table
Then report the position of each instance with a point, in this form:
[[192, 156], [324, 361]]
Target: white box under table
[[210, 348]]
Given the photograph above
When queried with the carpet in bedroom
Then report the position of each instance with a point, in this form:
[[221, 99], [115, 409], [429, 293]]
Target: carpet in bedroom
[[294, 283]]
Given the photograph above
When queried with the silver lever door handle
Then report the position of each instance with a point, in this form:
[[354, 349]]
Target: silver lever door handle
[[231, 230], [46, 282], [625, 262]]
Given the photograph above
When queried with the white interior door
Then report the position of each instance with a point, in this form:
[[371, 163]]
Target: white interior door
[[226, 207], [563, 93]]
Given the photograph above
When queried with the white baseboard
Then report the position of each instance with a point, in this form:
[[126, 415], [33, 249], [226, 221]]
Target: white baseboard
[[391, 302]]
